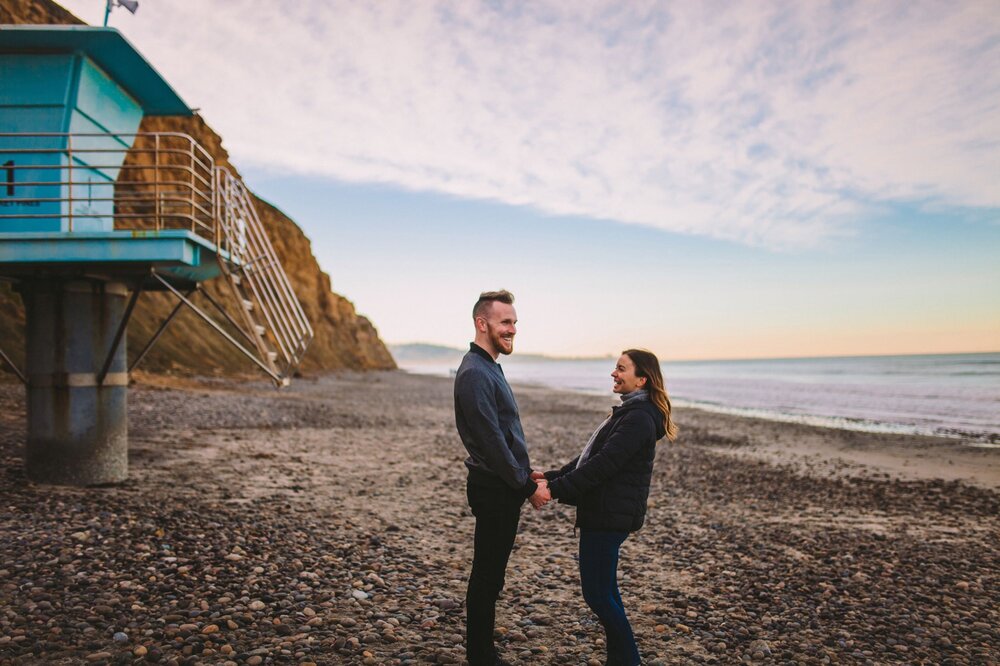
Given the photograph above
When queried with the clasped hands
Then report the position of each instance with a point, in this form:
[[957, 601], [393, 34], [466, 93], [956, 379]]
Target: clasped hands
[[541, 496]]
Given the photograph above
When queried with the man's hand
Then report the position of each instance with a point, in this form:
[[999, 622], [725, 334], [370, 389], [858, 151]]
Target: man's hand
[[542, 496], [535, 476]]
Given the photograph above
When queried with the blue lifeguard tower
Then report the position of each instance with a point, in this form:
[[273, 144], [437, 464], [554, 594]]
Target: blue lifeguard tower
[[93, 213]]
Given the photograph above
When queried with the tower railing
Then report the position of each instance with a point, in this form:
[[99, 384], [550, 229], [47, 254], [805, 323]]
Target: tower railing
[[150, 182], [98, 181]]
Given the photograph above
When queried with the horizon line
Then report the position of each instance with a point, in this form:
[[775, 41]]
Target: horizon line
[[713, 359]]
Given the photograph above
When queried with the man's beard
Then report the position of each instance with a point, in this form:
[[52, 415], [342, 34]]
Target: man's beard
[[498, 344]]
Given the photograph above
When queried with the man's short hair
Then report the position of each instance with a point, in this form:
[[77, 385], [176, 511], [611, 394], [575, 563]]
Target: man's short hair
[[489, 297]]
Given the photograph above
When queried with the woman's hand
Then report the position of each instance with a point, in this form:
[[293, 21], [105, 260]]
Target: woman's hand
[[535, 476]]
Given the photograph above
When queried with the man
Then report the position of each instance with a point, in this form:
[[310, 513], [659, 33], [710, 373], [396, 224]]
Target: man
[[499, 472]]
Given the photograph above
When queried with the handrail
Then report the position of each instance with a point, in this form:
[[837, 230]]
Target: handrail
[[256, 276]]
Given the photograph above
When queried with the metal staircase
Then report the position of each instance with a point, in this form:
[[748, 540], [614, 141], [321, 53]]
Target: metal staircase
[[271, 313]]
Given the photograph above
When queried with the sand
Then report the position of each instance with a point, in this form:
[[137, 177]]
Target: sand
[[327, 524], [831, 451]]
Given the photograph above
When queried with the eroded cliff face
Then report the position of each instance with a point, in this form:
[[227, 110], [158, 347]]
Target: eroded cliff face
[[35, 11], [344, 339]]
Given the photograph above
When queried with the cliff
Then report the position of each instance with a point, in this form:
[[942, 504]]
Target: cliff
[[344, 339]]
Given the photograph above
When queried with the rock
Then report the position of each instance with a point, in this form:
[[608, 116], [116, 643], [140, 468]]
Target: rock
[[760, 647]]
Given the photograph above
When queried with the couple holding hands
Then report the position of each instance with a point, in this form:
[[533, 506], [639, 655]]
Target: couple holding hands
[[608, 482]]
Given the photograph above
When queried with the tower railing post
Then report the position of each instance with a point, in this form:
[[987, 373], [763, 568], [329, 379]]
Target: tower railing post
[[157, 220], [69, 178]]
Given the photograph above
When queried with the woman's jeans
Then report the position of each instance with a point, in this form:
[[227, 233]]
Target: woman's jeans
[[599, 578]]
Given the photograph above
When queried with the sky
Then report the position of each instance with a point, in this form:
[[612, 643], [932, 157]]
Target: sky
[[707, 180]]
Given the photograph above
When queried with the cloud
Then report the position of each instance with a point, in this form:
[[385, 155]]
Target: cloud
[[766, 123]]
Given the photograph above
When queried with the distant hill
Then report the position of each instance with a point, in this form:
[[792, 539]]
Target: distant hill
[[419, 352], [422, 353]]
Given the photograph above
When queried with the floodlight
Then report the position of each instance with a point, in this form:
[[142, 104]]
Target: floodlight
[[130, 5]]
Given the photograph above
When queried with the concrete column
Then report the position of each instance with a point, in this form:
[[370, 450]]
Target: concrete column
[[77, 430]]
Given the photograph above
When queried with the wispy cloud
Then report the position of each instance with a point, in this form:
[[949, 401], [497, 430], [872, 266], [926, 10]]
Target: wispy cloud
[[759, 122]]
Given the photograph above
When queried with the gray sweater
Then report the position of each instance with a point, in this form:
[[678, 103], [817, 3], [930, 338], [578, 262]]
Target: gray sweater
[[489, 425]]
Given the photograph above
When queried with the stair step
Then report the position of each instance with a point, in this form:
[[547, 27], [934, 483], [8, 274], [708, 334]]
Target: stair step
[[236, 278], [272, 356], [247, 305], [261, 330]]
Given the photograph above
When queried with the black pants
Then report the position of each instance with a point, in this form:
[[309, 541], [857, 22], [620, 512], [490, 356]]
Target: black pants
[[497, 512]]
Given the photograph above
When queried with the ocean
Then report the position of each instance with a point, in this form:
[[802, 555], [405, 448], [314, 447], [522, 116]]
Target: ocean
[[947, 395]]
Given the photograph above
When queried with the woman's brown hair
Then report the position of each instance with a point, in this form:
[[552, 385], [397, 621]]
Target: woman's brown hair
[[648, 366]]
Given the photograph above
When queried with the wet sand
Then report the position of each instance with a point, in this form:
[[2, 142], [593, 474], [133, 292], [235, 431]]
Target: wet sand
[[327, 523]]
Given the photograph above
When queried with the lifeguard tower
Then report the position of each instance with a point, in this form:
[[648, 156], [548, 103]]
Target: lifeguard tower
[[92, 214]]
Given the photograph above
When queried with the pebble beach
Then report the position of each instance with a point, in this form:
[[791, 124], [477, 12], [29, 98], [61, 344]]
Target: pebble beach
[[326, 523]]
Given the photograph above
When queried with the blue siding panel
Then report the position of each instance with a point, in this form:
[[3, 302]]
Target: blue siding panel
[[36, 79]]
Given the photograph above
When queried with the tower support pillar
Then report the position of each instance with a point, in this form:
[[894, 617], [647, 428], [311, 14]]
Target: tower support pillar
[[77, 429]]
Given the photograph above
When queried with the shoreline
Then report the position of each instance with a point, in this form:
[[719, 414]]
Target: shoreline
[[828, 449], [327, 524], [989, 437]]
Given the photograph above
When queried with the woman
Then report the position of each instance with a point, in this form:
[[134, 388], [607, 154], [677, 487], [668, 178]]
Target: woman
[[609, 483]]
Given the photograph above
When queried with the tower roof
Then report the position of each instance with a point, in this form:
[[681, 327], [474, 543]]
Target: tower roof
[[110, 51]]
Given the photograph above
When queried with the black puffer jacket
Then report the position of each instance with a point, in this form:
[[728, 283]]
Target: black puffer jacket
[[611, 487]]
